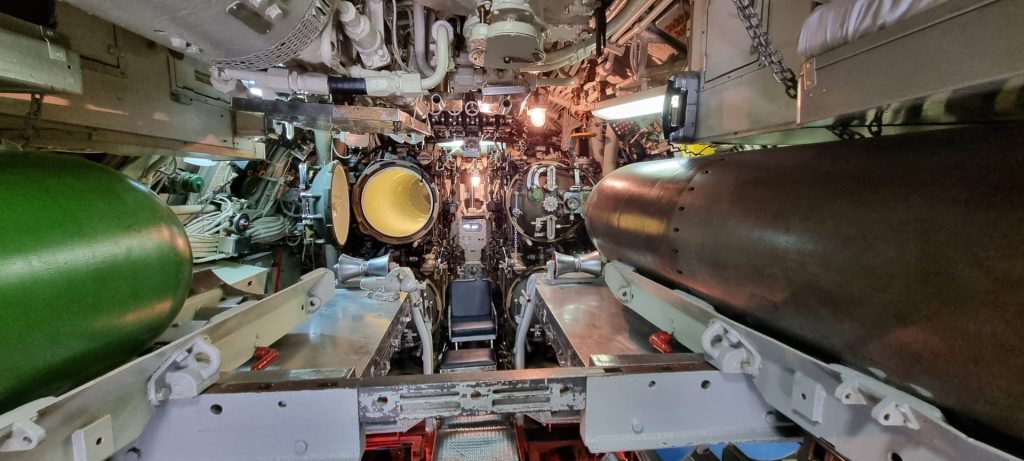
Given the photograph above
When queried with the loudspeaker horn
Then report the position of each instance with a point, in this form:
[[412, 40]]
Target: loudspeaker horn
[[589, 263], [349, 267]]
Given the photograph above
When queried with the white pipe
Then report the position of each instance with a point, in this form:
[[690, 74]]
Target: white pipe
[[191, 209], [375, 10], [419, 34], [442, 35], [611, 151], [567, 81], [275, 79], [426, 339], [365, 37], [524, 323], [597, 142], [378, 83]]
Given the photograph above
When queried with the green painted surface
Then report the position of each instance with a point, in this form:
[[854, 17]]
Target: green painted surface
[[93, 267]]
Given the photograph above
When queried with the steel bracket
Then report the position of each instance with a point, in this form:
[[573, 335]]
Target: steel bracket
[[728, 351], [889, 407], [20, 426], [889, 412], [185, 374], [618, 284], [318, 295], [851, 417], [94, 442], [619, 416]]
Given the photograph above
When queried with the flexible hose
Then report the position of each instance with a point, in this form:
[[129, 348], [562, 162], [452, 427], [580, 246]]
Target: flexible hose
[[346, 85], [268, 229]]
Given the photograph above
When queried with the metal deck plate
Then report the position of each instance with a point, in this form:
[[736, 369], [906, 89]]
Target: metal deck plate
[[351, 331], [478, 439], [587, 320]]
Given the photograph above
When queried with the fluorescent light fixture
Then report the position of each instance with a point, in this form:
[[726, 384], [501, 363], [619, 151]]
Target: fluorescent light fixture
[[450, 144], [199, 161], [458, 143], [647, 102], [256, 92]]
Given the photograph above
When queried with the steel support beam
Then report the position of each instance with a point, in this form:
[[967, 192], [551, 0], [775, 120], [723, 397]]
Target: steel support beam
[[319, 414]]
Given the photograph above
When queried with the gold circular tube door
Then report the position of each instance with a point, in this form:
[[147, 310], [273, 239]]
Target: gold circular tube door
[[394, 202]]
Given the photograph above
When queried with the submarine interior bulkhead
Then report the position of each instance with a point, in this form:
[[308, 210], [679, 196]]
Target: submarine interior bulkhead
[[490, 230]]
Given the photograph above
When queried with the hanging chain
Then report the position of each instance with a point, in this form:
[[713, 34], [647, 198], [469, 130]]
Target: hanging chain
[[875, 125], [843, 131], [35, 110], [771, 57]]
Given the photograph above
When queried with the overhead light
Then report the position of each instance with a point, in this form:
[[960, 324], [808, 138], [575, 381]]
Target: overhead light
[[647, 102], [537, 112], [450, 144], [458, 143], [538, 116], [256, 92], [199, 161]]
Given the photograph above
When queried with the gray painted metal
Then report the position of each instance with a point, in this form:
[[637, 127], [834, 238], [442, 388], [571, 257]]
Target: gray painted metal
[[910, 72], [320, 414], [351, 331], [242, 35], [585, 320], [897, 254], [738, 95], [34, 60], [320, 425], [141, 101], [849, 408], [641, 412]]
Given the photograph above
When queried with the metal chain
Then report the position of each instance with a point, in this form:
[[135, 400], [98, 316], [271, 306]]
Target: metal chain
[[875, 125], [771, 57], [35, 109], [843, 131]]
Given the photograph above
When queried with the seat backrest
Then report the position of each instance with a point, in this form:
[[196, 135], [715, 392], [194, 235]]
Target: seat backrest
[[469, 298]]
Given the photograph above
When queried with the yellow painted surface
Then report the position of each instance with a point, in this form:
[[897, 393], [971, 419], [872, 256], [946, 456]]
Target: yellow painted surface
[[396, 202], [339, 203]]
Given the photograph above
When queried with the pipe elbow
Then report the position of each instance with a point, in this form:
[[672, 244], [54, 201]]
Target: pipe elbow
[[442, 32]]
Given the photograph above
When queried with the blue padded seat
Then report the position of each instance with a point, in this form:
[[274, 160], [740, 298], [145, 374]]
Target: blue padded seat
[[470, 310], [473, 326], [467, 358]]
